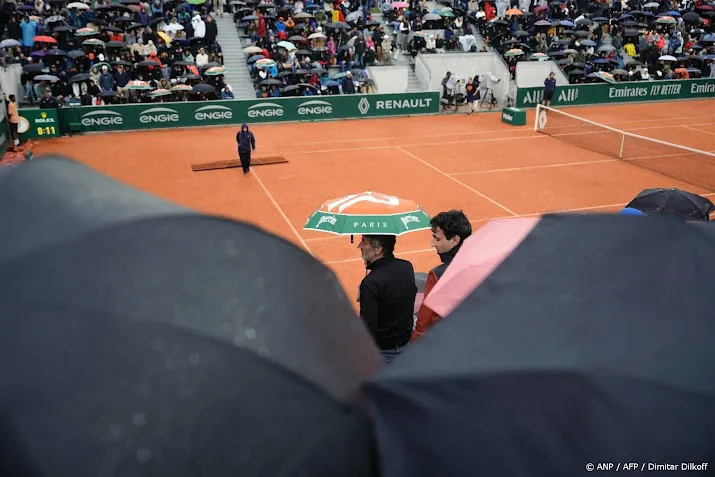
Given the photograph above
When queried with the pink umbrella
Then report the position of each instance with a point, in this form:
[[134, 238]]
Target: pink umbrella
[[541, 8], [399, 5], [480, 255]]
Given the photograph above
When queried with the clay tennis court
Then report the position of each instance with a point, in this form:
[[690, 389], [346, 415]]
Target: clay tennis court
[[477, 164]]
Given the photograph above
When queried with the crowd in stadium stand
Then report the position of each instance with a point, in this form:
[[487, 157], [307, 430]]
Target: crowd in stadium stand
[[112, 53], [294, 46], [591, 41]]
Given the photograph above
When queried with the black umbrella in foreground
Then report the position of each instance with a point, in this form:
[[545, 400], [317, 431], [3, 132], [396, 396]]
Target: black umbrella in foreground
[[143, 339], [590, 343], [673, 203]]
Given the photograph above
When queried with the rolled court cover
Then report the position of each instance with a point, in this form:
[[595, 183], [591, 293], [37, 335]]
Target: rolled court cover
[[141, 339], [230, 163]]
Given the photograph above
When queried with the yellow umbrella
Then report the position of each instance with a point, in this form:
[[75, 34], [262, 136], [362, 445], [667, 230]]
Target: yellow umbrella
[[164, 37]]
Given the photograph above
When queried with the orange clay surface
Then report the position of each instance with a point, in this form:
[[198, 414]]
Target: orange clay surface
[[477, 164]]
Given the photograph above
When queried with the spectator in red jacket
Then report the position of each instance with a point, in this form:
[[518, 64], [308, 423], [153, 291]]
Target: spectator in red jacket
[[449, 230]]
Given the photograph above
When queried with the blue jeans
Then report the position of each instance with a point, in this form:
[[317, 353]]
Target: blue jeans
[[390, 354]]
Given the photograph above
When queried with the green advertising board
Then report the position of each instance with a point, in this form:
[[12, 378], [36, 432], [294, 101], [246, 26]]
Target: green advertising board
[[634, 91], [221, 113], [38, 123]]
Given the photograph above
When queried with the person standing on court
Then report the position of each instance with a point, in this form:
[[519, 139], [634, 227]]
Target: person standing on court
[[449, 231], [549, 89], [387, 295], [246, 143]]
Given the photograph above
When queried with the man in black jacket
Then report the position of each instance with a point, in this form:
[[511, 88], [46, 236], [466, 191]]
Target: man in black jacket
[[387, 295], [246, 144]]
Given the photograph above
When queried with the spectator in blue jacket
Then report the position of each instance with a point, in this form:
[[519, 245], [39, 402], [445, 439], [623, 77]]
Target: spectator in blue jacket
[[29, 30]]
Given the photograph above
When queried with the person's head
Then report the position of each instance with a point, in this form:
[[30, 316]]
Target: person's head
[[11, 98], [47, 94], [449, 229], [202, 51], [374, 247], [244, 127], [551, 75]]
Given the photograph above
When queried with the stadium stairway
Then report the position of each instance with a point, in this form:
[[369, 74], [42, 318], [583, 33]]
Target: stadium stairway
[[234, 59]]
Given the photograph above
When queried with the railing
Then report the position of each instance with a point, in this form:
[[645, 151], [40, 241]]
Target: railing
[[627, 92], [222, 113]]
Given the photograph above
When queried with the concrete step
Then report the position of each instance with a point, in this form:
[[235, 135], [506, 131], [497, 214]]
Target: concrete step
[[234, 59]]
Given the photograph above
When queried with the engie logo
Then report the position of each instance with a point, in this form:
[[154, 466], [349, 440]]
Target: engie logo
[[265, 110], [315, 107], [158, 115], [213, 113], [103, 117]]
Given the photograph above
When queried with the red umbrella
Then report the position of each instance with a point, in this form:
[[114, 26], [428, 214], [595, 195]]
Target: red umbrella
[[44, 39]]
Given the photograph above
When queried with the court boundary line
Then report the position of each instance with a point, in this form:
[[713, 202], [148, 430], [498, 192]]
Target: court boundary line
[[482, 131], [282, 213], [692, 128], [436, 169]]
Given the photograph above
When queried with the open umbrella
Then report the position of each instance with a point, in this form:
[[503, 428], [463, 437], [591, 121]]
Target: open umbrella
[[79, 77], [215, 71], [44, 39], [287, 45], [369, 213], [164, 345], [203, 88], [9, 43], [50, 78], [160, 92], [252, 49], [93, 42], [575, 346], [138, 85], [181, 87], [673, 203]]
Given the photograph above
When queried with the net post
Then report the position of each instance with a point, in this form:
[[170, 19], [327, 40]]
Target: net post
[[623, 142], [536, 118]]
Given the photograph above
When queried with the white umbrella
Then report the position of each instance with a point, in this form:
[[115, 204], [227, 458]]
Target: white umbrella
[[252, 49], [431, 17], [78, 6], [173, 27], [9, 43], [667, 58], [651, 5], [317, 36], [352, 17]]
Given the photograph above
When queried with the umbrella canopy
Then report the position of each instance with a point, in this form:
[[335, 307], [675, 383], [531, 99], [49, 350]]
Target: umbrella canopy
[[9, 43], [252, 49], [181, 87], [480, 254], [165, 345], [215, 71], [203, 88], [50, 78], [369, 213], [287, 45], [44, 39], [673, 203], [138, 85], [574, 347], [160, 92]]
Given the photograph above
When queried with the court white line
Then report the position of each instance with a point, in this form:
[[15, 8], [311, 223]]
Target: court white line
[[280, 211], [481, 131], [457, 181], [370, 148], [526, 168], [690, 126]]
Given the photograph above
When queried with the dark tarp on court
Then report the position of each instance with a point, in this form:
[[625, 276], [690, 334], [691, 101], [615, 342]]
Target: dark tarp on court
[[592, 342], [141, 339]]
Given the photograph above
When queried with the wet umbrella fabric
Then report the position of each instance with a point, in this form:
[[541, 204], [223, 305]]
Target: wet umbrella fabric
[[198, 346], [673, 203], [592, 341]]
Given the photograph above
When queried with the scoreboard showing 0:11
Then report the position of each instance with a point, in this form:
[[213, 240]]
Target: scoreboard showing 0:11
[[38, 123]]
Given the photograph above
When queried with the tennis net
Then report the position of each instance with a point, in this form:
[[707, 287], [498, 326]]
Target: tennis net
[[683, 163]]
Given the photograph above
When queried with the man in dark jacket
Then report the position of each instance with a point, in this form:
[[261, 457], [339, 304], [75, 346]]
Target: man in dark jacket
[[246, 144], [387, 295], [449, 230], [549, 89]]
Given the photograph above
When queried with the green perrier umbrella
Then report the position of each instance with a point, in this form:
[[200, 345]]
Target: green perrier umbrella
[[369, 213]]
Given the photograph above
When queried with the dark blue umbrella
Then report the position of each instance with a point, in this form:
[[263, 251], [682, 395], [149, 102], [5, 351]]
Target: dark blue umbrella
[[593, 338], [566, 23], [255, 58], [198, 346], [600, 61]]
